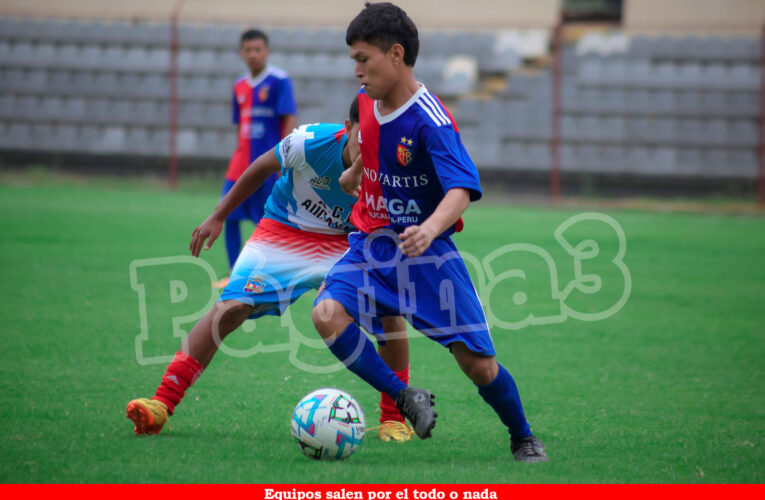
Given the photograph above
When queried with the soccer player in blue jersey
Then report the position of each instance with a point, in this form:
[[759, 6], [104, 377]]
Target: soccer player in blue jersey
[[264, 110], [415, 182], [302, 234]]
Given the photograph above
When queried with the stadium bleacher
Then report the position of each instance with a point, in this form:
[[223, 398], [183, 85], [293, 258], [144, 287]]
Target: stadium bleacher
[[653, 105]]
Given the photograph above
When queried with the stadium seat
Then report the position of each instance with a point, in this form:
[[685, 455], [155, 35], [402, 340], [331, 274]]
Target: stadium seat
[[98, 110], [612, 100], [688, 161], [51, 108], [591, 71], [218, 114], [615, 72], [68, 57], [715, 76], [95, 57], [641, 46], [460, 74], [689, 75], [511, 155], [744, 77], [74, 110], [638, 73], [432, 43], [743, 163], [539, 156], [714, 162], [19, 136], [186, 142], [569, 128], [7, 104], [113, 140], [505, 55], [744, 133], [331, 41], [25, 107], [639, 160], [690, 132], [665, 75], [67, 138], [20, 54], [229, 62], [716, 132], [106, 83], [689, 102]]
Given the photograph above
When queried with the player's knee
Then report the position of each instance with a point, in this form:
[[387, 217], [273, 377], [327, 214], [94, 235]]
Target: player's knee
[[481, 370], [329, 318], [231, 315]]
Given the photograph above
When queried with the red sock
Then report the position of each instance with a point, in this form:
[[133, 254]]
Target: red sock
[[182, 371], [388, 406]]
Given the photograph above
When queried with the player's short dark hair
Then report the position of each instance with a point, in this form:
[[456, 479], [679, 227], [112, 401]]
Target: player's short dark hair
[[353, 114], [383, 25], [253, 35]]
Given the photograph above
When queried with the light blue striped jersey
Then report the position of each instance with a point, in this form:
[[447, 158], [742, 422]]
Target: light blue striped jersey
[[308, 195]]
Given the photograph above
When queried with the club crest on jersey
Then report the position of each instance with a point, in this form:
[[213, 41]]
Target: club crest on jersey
[[255, 285], [263, 93], [404, 153]]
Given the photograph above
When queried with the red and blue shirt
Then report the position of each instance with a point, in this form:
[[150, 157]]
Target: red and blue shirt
[[411, 157], [258, 105]]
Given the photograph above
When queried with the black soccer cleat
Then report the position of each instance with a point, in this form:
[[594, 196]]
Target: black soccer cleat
[[417, 406], [528, 449]]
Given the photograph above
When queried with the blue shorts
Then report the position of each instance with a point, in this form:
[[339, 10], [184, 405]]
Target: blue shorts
[[251, 208], [280, 263], [433, 292]]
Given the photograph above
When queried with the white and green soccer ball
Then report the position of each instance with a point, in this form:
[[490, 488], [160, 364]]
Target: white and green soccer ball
[[328, 424]]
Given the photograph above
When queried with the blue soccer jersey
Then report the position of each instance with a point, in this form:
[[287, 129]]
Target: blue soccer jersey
[[411, 157], [257, 107], [308, 195]]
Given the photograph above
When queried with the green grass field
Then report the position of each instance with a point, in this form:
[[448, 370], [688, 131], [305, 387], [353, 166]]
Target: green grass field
[[670, 388]]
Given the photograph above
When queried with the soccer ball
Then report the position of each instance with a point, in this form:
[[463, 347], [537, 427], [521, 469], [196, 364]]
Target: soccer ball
[[328, 424]]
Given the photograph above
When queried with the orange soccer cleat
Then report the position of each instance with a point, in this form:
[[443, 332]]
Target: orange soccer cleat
[[149, 415]]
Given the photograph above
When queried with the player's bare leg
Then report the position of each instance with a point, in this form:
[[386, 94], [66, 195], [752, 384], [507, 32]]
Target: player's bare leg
[[197, 350], [205, 337], [498, 389], [351, 346]]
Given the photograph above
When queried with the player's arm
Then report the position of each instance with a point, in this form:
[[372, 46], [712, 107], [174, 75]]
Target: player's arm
[[289, 122], [252, 178], [350, 179], [416, 239]]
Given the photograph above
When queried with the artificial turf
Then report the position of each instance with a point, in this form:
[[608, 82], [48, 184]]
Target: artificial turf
[[668, 387]]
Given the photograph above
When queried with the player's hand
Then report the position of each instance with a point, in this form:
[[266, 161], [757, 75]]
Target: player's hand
[[415, 240], [350, 179], [209, 230]]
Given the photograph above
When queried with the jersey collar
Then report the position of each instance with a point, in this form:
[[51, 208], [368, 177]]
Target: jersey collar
[[254, 82], [392, 116]]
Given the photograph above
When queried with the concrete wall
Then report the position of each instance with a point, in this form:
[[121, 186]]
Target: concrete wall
[[426, 13], [711, 16]]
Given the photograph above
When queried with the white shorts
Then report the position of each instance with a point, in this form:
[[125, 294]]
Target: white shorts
[[280, 263]]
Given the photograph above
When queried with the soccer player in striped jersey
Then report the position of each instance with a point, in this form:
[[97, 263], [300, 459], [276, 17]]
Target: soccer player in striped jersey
[[416, 180], [302, 234], [264, 110]]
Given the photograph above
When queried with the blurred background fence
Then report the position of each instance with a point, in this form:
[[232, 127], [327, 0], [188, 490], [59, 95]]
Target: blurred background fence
[[639, 96]]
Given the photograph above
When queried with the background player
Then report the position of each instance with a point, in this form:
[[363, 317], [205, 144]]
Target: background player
[[264, 111], [417, 181], [302, 234]]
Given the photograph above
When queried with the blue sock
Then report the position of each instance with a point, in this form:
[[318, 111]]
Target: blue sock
[[233, 241], [502, 395], [359, 355]]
